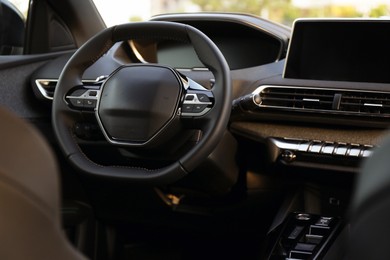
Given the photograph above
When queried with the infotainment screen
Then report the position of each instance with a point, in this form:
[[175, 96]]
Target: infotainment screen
[[340, 50]]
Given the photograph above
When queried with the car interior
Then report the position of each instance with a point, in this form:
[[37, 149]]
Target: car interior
[[192, 136]]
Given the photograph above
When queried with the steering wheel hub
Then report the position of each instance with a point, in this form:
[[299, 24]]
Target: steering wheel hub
[[137, 102]]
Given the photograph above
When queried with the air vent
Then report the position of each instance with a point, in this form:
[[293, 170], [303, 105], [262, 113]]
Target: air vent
[[46, 87], [299, 98], [366, 103], [343, 101]]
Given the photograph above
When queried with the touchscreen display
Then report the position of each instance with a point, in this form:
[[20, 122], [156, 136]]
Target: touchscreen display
[[340, 50]]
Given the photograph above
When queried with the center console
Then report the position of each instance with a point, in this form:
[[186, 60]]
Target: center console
[[304, 236]]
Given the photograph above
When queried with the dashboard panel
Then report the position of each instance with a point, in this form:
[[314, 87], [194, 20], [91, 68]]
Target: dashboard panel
[[242, 47], [330, 107], [326, 114]]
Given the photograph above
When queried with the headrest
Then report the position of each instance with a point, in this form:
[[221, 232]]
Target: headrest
[[28, 164]]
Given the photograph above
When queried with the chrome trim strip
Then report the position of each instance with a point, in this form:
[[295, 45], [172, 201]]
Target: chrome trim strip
[[86, 95], [323, 147], [199, 69], [372, 105], [283, 144], [195, 100], [136, 52], [207, 109], [262, 87], [311, 100]]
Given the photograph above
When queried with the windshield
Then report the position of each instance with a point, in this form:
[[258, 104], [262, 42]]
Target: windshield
[[281, 11]]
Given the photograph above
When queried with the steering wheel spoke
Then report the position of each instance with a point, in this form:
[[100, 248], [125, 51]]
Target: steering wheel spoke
[[84, 99], [197, 101]]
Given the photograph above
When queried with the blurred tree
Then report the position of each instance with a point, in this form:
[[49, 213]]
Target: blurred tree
[[291, 13], [255, 7], [135, 19], [380, 10], [343, 11], [283, 11]]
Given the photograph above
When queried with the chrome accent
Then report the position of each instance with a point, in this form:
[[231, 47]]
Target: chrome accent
[[195, 100], [323, 147], [303, 147], [372, 105], [136, 52], [100, 79], [207, 109], [40, 83], [303, 216], [354, 152], [191, 84], [86, 95], [285, 144], [200, 69], [316, 147], [328, 148], [341, 149], [311, 100], [288, 156]]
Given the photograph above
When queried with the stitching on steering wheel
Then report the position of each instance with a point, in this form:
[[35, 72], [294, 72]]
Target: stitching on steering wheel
[[102, 166]]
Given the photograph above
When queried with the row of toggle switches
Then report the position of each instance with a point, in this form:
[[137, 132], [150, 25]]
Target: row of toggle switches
[[323, 147]]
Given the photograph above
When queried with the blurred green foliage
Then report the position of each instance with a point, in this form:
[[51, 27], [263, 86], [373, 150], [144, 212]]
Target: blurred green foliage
[[379, 11], [284, 12], [135, 19]]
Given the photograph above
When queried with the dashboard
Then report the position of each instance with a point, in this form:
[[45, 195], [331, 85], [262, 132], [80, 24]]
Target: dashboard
[[308, 104]]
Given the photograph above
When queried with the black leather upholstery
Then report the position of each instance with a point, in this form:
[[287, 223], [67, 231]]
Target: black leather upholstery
[[30, 226]]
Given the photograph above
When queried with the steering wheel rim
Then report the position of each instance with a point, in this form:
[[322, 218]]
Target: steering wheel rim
[[213, 124]]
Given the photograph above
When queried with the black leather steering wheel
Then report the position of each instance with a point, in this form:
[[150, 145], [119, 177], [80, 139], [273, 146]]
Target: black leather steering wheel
[[139, 104]]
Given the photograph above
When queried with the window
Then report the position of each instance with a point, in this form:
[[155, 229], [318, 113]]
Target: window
[[12, 26], [280, 11]]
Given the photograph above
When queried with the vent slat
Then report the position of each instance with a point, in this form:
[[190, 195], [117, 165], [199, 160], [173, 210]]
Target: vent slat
[[298, 94], [297, 98], [366, 103]]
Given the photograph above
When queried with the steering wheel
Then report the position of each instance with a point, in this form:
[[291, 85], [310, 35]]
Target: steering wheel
[[139, 105]]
